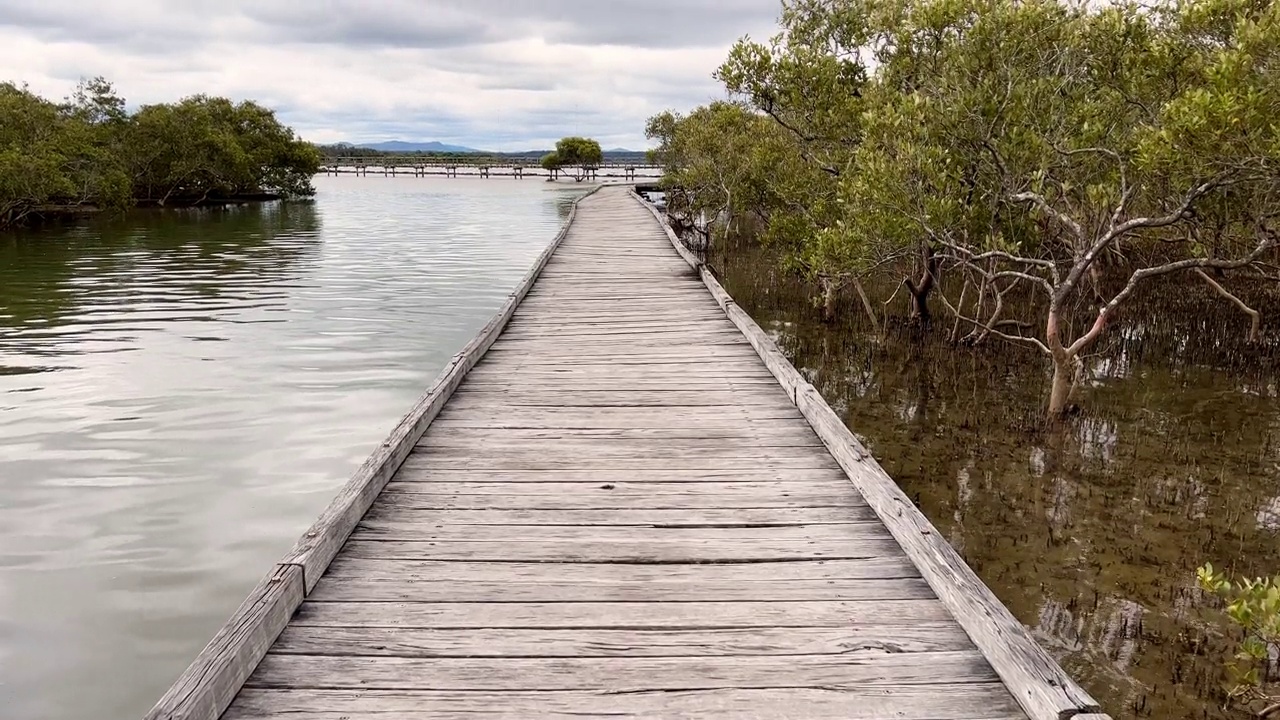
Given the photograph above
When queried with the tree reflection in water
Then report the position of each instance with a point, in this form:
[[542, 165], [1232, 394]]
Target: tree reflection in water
[[1090, 532]]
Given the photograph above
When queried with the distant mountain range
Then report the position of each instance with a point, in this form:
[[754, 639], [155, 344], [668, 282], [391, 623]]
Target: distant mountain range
[[402, 146], [435, 146]]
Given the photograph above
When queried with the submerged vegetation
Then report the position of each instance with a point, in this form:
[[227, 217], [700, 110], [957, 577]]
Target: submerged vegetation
[[1253, 605], [89, 152], [1025, 168]]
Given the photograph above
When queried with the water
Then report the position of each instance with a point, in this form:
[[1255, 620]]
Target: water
[[181, 394], [1090, 534]]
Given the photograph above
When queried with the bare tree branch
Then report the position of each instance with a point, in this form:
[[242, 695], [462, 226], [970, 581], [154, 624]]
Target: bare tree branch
[[1139, 275], [1255, 318], [987, 328]]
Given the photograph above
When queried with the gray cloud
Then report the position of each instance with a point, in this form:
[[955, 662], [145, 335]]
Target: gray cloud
[[472, 71]]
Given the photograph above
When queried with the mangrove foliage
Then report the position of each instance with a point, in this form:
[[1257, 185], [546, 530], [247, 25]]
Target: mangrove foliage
[[1022, 167], [90, 152]]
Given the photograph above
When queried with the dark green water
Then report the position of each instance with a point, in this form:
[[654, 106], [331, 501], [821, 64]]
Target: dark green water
[[181, 394], [1092, 534]]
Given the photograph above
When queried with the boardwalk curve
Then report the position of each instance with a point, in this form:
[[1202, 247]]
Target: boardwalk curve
[[620, 500]]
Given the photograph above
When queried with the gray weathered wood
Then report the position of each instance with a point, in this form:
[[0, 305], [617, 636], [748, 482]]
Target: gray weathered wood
[[888, 613], [569, 573], [392, 511], [486, 642], [390, 530], [206, 688], [620, 674], [635, 551], [968, 701], [664, 438], [574, 497], [511, 590], [1036, 681], [601, 472], [498, 460]]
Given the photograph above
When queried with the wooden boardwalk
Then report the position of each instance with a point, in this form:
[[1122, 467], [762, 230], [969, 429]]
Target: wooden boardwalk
[[619, 511]]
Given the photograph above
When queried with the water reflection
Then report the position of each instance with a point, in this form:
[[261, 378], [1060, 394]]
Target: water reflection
[[181, 393], [1091, 535]]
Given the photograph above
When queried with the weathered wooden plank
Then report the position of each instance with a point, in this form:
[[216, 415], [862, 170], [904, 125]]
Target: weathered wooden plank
[[430, 451], [485, 642], [494, 385], [604, 417], [623, 614], [968, 701], [607, 437], [619, 674], [417, 470], [392, 511], [516, 461], [631, 551], [570, 358], [512, 590], [548, 373], [877, 568], [206, 688], [612, 485], [741, 396], [409, 495], [530, 316], [423, 531], [624, 399], [726, 348]]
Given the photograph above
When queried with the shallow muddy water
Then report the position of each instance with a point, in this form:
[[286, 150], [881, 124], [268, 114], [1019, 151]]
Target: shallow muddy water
[[1090, 534]]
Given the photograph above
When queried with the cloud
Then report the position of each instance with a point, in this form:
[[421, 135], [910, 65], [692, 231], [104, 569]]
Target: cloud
[[477, 72]]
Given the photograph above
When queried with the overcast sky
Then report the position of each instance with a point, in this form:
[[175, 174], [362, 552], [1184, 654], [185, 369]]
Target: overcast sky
[[495, 74]]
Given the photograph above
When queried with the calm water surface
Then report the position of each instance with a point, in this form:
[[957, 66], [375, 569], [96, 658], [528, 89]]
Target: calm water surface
[[1091, 535], [181, 393]]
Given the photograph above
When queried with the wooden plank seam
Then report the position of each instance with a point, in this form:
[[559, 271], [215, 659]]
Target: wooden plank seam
[[209, 684], [1039, 685]]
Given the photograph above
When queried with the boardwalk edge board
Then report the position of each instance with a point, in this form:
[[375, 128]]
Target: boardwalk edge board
[[210, 683], [1041, 687]]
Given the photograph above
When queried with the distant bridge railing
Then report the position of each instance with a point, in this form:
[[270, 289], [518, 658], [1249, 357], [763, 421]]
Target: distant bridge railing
[[482, 167], [479, 161]]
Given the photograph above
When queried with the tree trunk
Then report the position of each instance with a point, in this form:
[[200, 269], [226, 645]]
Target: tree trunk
[[1063, 370], [1063, 381], [919, 290], [866, 304], [828, 299]]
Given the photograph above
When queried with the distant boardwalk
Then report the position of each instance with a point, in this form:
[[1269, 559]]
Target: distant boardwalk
[[519, 168], [629, 506]]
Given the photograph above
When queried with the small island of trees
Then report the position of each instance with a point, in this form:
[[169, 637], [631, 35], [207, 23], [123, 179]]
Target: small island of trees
[[574, 152], [88, 152]]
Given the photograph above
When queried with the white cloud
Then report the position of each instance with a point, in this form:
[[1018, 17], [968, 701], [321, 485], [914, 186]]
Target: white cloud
[[511, 73]]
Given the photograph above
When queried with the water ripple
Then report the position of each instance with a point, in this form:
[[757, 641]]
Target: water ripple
[[184, 391]]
